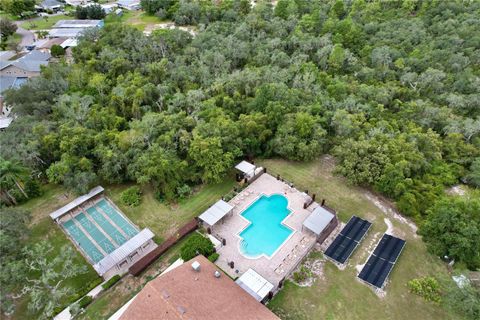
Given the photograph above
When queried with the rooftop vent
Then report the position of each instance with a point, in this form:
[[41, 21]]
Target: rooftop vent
[[217, 274], [196, 266]]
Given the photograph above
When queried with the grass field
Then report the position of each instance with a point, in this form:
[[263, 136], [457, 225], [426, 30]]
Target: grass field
[[137, 19], [339, 295], [44, 22]]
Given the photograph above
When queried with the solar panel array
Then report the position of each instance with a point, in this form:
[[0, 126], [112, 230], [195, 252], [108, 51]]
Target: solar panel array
[[348, 239], [382, 260]]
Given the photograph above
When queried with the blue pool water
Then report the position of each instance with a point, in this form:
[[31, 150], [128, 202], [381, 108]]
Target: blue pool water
[[266, 232]]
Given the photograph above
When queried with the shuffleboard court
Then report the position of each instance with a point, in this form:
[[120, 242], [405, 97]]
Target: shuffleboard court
[[95, 233], [83, 241], [112, 231], [117, 218]]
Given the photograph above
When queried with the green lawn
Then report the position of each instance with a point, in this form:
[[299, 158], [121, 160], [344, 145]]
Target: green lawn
[[44, 22], [340, 295], [164, 219], [137, 19]]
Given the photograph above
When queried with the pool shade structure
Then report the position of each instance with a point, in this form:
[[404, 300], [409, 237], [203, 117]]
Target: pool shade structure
[[256, 285], [216, 212], [381, 262], [347, 241], [246, 168], [321, 222]]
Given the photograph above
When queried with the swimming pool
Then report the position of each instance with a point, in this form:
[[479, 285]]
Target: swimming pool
[[266, 233]]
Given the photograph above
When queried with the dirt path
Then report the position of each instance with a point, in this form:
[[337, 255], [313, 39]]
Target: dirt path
[[389, 210]]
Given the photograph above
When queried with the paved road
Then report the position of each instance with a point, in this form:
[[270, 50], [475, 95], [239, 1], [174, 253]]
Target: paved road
[[28, 37]]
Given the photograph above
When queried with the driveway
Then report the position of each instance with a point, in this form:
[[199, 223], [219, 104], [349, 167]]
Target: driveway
[[28, 37]]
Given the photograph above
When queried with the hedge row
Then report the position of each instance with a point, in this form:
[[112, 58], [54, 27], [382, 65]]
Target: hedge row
[[111, 282]]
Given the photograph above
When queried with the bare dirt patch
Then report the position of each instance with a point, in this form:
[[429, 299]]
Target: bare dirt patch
[[457, 190]]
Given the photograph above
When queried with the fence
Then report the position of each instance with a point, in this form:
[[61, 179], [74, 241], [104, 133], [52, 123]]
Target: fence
[[149, 258]]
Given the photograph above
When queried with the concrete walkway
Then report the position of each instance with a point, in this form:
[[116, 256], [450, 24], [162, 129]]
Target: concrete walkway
[[65, 314]]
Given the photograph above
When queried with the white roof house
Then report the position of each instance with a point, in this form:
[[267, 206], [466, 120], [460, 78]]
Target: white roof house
[[318, 220], [122, 252], [75, 203], [216, 212], [245, 167], [129, 4], [256, 285]]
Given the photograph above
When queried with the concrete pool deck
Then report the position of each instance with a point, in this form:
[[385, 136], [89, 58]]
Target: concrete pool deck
[[289, 254]]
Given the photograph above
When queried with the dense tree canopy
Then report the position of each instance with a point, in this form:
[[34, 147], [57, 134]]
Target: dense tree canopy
[[391, 88]]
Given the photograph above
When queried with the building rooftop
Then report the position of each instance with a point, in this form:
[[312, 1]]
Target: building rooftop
[[184, 293], [77, 24], [318, 220]]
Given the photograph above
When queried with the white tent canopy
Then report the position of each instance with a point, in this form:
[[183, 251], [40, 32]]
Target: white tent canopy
[[245, 167], [256, 285], [318, 220], [216, 212]]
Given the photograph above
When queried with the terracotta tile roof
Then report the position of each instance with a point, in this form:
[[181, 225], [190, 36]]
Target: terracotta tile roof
[[184, 293]]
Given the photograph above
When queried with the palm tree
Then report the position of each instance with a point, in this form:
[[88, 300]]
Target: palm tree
[[12, 173]]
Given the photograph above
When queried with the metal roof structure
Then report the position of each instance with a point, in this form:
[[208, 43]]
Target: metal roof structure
[[29, 62], [63, 24], [69, 43], [65, 32], [6, 55], [5, 122], [256, 285], [245, 167], [318, 220], [119, 254], [216, 212], [75, 203]]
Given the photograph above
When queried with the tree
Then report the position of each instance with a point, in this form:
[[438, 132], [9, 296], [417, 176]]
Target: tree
[[13, 234], [195, 245], [12, 173], [93, 11], [473, 176], [300, 137], [18, 7], [452, 228], [48, 289], [7, 28], [57, 50], [207, 154]]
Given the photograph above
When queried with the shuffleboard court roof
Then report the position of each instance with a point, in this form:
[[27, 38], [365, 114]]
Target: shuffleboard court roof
[[245, 167], [382, 261], [256, 285], [75, 203], [318, 220], [119, 254], [216, 212], [348, 239]]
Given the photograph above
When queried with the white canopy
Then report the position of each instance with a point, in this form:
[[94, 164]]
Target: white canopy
[[318, 220], [256, 285], [119, 254], [75, 203], [216, 212], [245, 167]]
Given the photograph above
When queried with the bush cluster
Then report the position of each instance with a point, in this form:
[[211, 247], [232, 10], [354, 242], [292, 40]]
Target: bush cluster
[[213, 257], [131, 196], [195, 245], [111, 282], [426, 287]]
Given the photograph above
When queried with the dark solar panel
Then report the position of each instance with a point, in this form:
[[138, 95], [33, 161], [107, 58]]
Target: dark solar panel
[[376, 271], [382, 260], [348, 239]]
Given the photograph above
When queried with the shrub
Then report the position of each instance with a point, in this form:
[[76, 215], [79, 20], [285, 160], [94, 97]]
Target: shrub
[[85, 301], [213, 257], [131, 196], [32, 188], [111, 282], [426, 287], [57, 50], [302, 274], [184, 191], [195, 245]]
